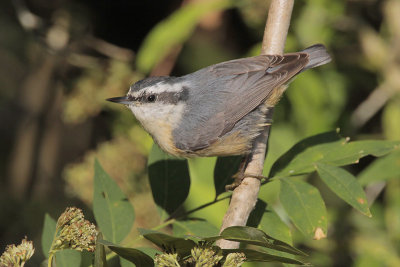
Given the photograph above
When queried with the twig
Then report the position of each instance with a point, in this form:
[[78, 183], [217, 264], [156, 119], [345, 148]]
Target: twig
[[375, 101], [244, 197]]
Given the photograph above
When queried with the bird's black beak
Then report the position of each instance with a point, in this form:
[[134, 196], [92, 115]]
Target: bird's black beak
[[120, 100]]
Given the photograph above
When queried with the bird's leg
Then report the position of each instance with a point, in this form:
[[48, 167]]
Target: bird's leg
[[240, 175]]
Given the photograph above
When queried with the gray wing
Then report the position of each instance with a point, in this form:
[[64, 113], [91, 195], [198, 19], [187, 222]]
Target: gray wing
[[222, 94]]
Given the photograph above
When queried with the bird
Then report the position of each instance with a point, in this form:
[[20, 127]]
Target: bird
[[218, 110]]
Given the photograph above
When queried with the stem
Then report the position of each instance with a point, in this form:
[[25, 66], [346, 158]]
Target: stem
[[244, 197], [199, 208], [50, 259]]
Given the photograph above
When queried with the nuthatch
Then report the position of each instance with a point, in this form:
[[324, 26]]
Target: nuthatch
[[218, 110]]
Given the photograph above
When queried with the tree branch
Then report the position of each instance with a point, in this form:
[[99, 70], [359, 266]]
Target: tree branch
[[244, 197]]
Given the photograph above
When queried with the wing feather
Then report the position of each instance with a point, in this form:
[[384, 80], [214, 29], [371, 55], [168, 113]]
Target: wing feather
[[226, 92]]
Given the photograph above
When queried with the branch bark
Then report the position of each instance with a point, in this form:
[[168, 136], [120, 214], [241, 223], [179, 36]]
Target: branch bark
[[244, 197]]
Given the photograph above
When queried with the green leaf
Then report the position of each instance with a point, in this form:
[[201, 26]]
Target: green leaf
[[49, 229], [254, 255], [87, 259], [169, 179], [113, 212], [125, 263], [100, 253], [254, 236], [194, 228], [300, 147], [139, 258], [151, 252], [269, 222], [330, 149], [169, 243], [224, 169], [68, 258], [345, 185], [381, 169], [273, 226], [304, 206], [173, 31]]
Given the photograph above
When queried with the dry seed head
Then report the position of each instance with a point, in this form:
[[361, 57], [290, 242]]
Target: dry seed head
[[17, 255]]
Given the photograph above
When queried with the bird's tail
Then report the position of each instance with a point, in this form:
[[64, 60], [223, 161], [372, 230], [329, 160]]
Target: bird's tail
[[317, 56]]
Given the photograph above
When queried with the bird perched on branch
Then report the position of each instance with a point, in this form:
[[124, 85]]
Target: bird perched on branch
[[218, 110]]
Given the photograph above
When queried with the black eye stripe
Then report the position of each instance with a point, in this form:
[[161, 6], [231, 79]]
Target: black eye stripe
[[151, 98], [163, 97]]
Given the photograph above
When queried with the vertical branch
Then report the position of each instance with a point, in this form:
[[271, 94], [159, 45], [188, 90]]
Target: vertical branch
[[244, 197]]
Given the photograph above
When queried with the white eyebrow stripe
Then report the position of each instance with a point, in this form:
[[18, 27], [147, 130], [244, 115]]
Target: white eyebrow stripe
[[162, 87]]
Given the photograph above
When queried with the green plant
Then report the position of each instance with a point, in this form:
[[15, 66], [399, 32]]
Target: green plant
[[170, 184]]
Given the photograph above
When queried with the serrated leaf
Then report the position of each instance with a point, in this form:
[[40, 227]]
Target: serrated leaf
[[49, 229], [196, 228], [100, 253], [68, 258], [254, 236], [258, 256], [301, 157], [173, 31], [381, 169], [169, 179], [344, 185], [169, 243], [113, 212], [139, 258], [304, 206], [225, 168]]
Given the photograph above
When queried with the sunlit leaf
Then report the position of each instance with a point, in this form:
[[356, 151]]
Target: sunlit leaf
[[283, 161], [326, 148], [113, 212], [169, 179], [273, 226], [345, 185], [305, 207], [196, 228]]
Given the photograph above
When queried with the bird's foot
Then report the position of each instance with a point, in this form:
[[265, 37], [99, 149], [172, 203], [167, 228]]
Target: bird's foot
[[239, 176]]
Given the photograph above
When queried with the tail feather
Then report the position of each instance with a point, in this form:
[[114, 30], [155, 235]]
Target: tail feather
[[317, 56]]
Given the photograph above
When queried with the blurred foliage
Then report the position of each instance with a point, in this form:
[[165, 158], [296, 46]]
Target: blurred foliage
[[57, 71], [89, 91], [173, 31]]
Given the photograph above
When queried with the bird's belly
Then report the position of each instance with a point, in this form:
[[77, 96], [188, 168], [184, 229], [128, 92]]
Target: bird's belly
[[228, 145]]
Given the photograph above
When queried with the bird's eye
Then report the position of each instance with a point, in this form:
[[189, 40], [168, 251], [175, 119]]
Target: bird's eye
[[151, 98]]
